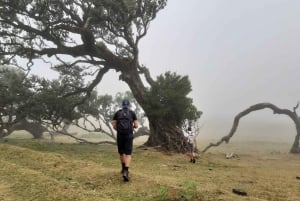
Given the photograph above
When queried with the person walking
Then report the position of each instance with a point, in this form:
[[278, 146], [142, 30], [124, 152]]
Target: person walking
[[190, 138], [124, 121]]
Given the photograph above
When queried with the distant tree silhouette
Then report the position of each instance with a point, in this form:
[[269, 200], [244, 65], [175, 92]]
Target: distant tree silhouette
[[292, 114]]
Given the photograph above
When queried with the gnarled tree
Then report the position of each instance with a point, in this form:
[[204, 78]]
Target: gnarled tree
[[276, 110], [14, 92], [98, 36], [34, 128]]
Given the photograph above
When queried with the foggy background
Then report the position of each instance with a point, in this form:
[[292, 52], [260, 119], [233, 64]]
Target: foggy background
[[236, 54]]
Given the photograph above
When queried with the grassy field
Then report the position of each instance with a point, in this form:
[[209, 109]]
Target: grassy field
[[40, 170]]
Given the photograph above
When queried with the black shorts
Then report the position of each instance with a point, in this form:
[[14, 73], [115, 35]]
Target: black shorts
[[125, 143]]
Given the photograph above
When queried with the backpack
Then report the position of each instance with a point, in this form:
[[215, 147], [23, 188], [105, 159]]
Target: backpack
[[124, 122]]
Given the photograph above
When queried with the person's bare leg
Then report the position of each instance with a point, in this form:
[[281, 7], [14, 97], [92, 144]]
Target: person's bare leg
[[122, 160], [127, 160], [191, 156]]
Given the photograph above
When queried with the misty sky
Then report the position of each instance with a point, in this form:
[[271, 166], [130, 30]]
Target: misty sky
[[236, 53]]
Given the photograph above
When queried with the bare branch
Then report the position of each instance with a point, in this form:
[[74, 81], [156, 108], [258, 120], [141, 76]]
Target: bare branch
[[143, 131], [295, 108], [86, 141], [144, 70]]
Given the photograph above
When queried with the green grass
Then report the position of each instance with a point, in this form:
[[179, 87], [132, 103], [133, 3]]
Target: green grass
[[43, 171]]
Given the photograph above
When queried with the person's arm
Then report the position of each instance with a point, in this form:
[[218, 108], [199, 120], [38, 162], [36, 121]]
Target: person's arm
[[114, 124], [135, 124], [135, 121]]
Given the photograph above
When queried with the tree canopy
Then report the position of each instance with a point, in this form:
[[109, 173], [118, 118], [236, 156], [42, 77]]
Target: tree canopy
[[168, 95]]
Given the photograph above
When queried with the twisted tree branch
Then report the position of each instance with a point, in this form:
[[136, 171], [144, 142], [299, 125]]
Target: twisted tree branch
[[295, 148]]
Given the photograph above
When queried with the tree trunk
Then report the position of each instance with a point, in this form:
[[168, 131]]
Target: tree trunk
[[166, 134], [163, 133], [296, 148], [34, 128]]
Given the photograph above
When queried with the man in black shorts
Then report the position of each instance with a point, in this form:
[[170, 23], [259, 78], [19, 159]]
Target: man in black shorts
[[124, 121]]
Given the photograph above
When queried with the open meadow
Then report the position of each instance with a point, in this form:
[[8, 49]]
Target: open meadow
[[40, 170]]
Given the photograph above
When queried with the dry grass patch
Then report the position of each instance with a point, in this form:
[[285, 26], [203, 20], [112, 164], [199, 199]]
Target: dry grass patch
[[39, 170], [5, 192]]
